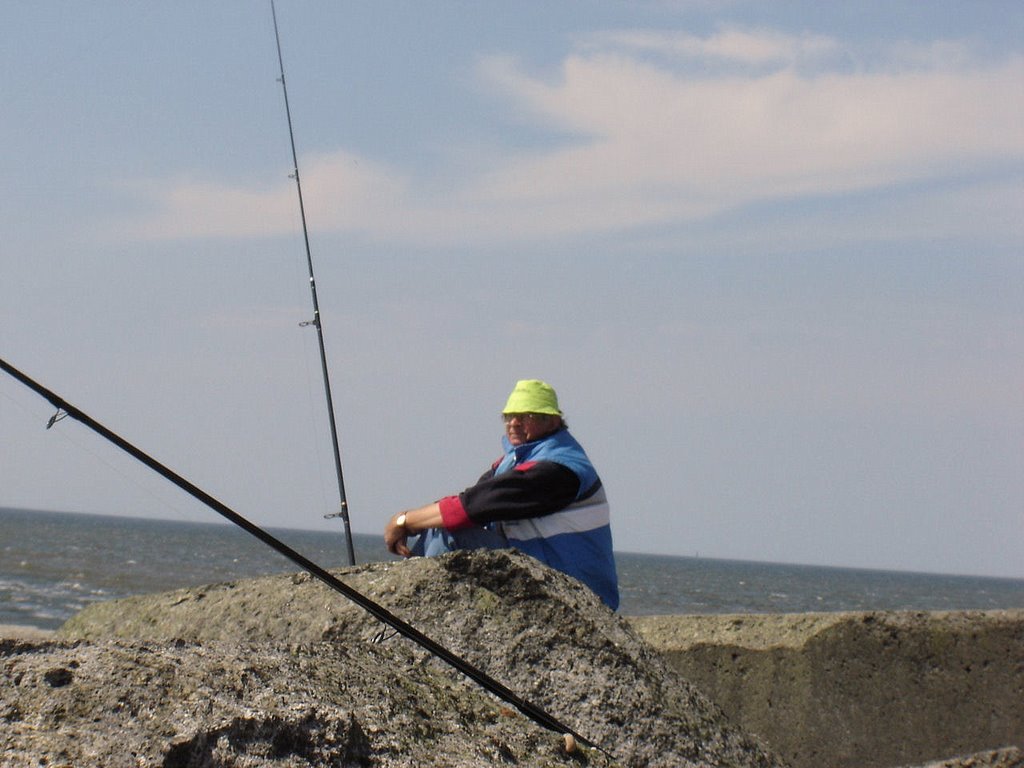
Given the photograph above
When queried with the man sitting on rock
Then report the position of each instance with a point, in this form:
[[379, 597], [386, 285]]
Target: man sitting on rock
[[543, 496]]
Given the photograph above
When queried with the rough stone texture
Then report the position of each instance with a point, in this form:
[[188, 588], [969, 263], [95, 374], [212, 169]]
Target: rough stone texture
[[187, 705], [20, 632], [1010, 757], [861, 690], [281, 671]]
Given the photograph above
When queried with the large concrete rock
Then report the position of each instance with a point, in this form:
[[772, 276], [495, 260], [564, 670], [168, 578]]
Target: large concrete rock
[[858, 690], [281, 671], [1008, 757]]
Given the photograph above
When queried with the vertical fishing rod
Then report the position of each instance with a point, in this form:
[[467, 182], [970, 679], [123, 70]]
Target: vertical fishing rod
[[315, 322]]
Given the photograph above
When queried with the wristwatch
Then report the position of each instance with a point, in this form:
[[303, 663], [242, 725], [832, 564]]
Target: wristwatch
[[400, 520]]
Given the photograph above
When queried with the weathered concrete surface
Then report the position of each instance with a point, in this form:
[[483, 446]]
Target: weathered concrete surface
[[1008, 757], [281, 672], [21, 632], [858, 690]]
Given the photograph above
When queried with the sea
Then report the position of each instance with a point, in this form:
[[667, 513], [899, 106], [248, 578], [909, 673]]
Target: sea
[[54, 564]]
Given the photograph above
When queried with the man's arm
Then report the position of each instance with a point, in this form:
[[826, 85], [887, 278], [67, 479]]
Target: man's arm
[[529, 490]]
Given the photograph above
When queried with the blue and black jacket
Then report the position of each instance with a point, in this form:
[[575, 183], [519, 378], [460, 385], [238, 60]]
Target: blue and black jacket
[[547, 499]]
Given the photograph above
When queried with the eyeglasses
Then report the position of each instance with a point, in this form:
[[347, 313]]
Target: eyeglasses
[[522, 417]]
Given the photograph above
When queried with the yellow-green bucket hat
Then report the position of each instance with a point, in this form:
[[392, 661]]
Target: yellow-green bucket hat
[[533, 396]]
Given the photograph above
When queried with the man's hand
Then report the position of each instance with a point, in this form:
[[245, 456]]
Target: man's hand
[[416, 520], [395, 536]]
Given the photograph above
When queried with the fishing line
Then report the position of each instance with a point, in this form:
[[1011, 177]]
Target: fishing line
[[316, 322], [302, 351], [73, 441], [530, 710]]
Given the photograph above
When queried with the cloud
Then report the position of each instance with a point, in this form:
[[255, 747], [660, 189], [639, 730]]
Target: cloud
[[341, 191], [653, 145], [637, 142], [748, 47]]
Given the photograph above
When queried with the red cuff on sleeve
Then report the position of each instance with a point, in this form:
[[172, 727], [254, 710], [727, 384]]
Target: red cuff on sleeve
[[453, 514]]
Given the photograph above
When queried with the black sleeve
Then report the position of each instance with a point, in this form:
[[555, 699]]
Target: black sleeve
[[532, 491]]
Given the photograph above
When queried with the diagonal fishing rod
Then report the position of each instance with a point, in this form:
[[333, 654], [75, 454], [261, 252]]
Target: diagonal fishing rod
[[532, 711], [316, 322]]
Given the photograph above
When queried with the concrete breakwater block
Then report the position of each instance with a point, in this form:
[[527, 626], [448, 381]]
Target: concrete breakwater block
[[859, 690], [282, 671]]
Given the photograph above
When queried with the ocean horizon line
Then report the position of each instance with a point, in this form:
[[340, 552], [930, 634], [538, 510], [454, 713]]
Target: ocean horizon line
[[367, 537]]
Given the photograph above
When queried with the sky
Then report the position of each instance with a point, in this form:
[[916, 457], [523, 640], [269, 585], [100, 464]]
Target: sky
[[771, 256]]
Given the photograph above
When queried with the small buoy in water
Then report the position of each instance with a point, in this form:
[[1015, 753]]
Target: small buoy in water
[[570, 743]]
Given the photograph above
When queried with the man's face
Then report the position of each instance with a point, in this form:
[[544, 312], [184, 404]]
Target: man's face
[[527, 427]]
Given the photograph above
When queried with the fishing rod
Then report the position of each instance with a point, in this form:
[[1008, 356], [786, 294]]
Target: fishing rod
[[316, 322], [530, 710]]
